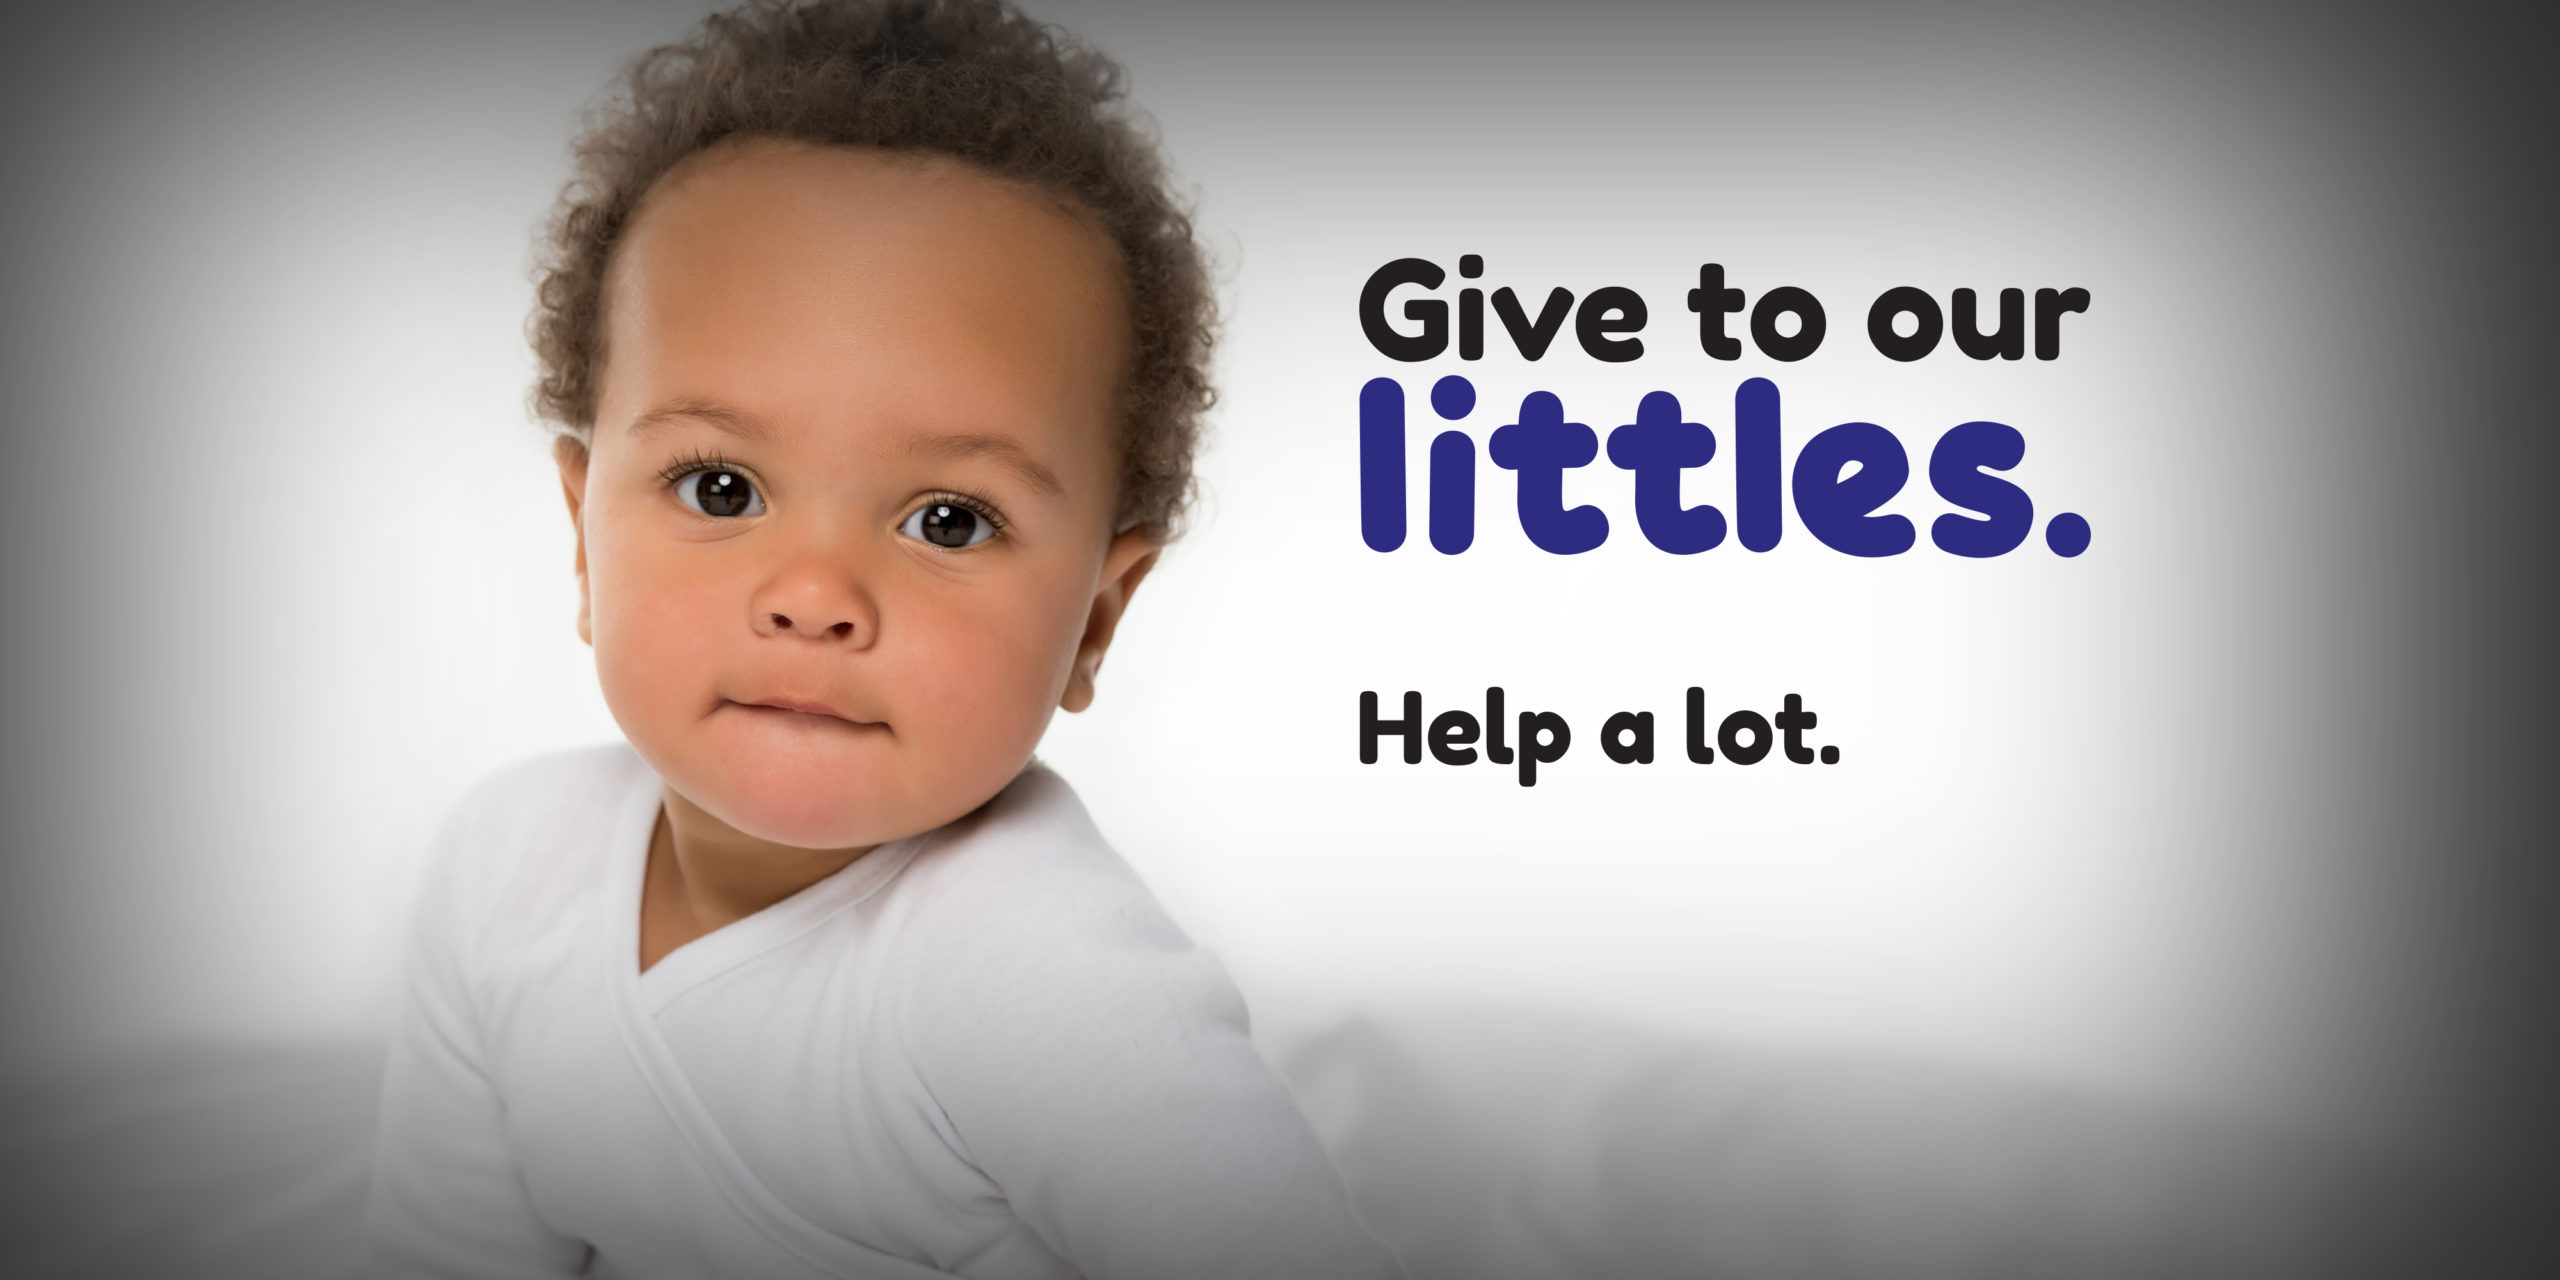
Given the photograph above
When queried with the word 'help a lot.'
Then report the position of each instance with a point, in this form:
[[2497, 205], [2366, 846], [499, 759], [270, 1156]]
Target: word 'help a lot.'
[[1744, 737], [1841, 477]]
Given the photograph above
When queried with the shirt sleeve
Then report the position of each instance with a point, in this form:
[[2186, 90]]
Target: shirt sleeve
[[448, 1199], [1096, 1066]]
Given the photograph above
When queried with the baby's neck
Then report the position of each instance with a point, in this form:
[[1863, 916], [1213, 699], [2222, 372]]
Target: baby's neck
[[703, 874]]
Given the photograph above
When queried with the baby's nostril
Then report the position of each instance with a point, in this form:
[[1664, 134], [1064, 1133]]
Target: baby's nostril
[[782, 622]]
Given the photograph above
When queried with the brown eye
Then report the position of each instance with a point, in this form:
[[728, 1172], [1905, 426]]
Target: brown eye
[[719, 493], [948, 524]]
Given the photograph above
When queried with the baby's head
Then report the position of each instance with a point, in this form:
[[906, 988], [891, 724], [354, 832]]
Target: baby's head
[[878, 350]]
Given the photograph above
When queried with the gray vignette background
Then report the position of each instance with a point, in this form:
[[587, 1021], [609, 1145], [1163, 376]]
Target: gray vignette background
[[180, 264]]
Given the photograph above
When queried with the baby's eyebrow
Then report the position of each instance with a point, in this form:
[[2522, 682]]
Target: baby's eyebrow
[[1012, 456], [709, 413], [1004, 452]]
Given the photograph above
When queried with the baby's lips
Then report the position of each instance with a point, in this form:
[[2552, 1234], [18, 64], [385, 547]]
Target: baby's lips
[[794, 705], [804, 705], [810, 705]]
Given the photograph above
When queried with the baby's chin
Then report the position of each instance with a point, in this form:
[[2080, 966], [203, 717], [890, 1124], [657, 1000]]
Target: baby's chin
[[808, 800], [822, 786], [819, 782]]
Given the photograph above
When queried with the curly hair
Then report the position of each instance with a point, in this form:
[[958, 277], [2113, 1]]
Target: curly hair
[[974, 80]]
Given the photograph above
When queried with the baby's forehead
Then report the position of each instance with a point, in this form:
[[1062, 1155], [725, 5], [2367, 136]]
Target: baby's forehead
[[833, 204], [924, 285]]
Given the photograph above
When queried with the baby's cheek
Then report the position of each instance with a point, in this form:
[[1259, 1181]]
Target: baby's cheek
[[652, 650], [999, 685]]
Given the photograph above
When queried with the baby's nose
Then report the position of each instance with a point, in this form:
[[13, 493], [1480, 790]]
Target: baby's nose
[[819, 599], [839, 629]]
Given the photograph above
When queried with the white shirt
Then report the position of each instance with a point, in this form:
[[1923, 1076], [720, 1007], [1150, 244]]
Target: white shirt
[[984, 1050]]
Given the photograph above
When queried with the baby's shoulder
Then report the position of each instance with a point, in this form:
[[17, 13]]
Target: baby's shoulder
[[1023, 908], [529, 828], [555, 794], [1037, 977], [1029, 872]]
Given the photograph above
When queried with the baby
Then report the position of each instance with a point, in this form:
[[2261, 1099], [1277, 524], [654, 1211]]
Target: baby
[[878, 349]]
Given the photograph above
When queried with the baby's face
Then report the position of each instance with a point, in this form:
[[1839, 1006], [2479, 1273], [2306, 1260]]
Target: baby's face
[[846, 521]]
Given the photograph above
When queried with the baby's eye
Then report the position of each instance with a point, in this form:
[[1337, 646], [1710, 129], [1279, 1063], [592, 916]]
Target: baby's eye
[[948, 524], [719, 493]]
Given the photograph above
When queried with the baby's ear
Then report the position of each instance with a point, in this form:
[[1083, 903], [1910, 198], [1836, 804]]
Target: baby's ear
[[1125, 564], [572, 457]]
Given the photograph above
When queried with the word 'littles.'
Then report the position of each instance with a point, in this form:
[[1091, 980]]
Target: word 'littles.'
[[1840, 478]]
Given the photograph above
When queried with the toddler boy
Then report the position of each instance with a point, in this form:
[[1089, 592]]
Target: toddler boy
[[878, 350]]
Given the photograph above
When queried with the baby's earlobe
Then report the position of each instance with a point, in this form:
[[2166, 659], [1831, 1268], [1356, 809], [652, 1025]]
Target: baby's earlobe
[[1078, 694]]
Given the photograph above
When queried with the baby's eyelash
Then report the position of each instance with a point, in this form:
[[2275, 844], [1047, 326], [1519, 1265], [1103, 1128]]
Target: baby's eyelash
[[700, 461], [984, 509]]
